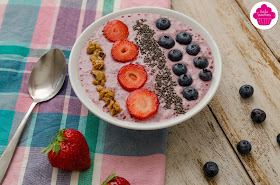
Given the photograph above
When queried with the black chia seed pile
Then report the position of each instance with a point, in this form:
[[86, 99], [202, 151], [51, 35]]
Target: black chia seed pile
[[154, 56]]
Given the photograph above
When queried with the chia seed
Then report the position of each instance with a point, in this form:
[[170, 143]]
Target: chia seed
[[154, 57]]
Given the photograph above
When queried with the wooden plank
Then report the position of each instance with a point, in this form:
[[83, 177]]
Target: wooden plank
[[246, 60], [270, 36], [192, 144]]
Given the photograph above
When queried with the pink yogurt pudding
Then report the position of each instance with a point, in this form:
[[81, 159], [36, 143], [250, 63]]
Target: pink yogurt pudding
[[112, 67]]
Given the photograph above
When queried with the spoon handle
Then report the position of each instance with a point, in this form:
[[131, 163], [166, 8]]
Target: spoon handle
[[9, 151]]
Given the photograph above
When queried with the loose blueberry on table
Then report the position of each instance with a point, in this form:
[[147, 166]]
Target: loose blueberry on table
[[200, 62], [246, 91], [175, 55], [205, 75], [163, 23], [278, 139], [190, 93], [185, 80], [193, 49], [184, 38], [166, 42], [258, 115], [244, 147], [179, 69], [210, 169]]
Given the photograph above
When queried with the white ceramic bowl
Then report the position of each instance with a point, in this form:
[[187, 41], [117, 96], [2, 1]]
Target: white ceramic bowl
[[81, 94]]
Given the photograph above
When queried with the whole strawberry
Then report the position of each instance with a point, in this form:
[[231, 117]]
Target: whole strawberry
[[115, 180], [69, 151]]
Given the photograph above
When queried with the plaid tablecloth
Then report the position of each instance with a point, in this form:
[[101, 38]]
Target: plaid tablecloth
[[29, 28]]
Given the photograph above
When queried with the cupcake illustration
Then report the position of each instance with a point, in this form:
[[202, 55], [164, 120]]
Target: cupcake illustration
[[264, 15]]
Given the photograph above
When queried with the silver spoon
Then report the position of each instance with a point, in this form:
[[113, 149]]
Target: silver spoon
[[45, 81]]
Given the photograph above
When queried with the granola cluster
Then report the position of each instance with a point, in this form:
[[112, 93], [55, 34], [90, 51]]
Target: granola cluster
[[96, 57], [107, 95]]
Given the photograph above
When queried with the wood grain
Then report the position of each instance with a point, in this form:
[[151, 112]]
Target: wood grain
[[191, 144], [246, 60], [270, 36]]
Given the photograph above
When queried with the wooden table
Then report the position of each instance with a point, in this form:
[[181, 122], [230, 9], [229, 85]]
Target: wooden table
[[250, 56]]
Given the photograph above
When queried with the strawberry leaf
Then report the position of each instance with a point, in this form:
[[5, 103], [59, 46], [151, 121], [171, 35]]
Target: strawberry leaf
[[61, 131], [60, 138], [46, 150], [53, 138], [56, 147], [111, 177]]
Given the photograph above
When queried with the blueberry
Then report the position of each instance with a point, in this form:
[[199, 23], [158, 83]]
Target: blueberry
[[205, 75], [175, 55], [166, 42], [179, 69], [190, 93], [185, 80], [200, 62], [210, 169], [258, 115], [183, 38], [193, 49], [278, 139], [246, 91], [244, 147], [163, 24]]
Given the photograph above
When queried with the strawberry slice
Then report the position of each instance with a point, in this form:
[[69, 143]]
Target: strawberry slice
[[124, 51], [132, 77], [115, 30], [142, 103]]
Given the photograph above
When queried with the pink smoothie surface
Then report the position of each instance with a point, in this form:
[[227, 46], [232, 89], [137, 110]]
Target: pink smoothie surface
[[112, 67]]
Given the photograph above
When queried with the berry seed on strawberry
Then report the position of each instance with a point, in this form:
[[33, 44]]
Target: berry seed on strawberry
[[142, 103], [124, 51], [115, 180], [132, 77], [116, 30], [69, 151]]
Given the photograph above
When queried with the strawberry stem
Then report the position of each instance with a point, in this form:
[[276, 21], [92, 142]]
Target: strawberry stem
[[111, 177], [55, 145]]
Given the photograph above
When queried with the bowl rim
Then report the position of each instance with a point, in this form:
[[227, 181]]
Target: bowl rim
[[83, 97]]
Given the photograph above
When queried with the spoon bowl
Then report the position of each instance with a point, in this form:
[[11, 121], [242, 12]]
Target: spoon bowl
[[47, 76], [45, 81]]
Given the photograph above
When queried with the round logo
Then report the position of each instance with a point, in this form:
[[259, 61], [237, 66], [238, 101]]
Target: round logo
[[264, 15]]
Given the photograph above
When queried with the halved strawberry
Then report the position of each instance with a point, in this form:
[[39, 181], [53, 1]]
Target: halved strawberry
[[132, 77], [142, 103], [115, 30], [124, 51]]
